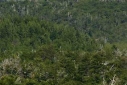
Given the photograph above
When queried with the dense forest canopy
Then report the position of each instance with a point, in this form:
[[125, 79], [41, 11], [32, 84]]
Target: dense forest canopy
[[63, 42], [104, 18]]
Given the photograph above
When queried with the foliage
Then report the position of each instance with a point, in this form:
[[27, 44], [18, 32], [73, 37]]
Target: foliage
[[63, 42]]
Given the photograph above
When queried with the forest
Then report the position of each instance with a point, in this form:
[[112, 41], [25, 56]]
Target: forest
[[63, 42]]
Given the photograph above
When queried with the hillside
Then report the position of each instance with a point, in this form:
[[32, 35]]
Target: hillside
[[97, 18], [63, 42]]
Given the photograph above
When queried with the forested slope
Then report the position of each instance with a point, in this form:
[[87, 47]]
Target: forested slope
[[97, 18], [63, 42]]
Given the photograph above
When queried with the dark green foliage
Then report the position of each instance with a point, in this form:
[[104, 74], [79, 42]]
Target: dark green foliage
[[7, 80], [99, 19], [63, 42]]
